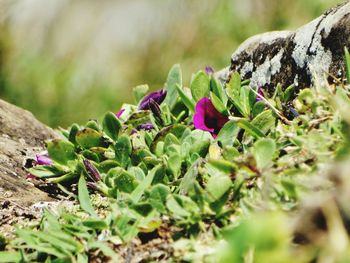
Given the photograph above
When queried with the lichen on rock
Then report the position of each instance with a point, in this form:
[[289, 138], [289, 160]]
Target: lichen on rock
[[314, 51]]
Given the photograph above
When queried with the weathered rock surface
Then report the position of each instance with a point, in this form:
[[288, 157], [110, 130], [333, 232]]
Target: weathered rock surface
[[21, 137], [295, 57]]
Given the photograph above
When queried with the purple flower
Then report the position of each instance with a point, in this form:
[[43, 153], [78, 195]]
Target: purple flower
[[154, 107], [260, 94], [157, 96], [209, 70], [31, 177], [207, 118], [91, 170], [92, 186], [119, 113], [43, 160], [145, 126]]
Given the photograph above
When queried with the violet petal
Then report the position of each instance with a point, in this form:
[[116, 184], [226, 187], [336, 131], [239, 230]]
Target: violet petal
[[260, 94], [207, 118], [154, 107], [31, 177], [43, 160], [91, 170], [209, 70], [199, 116], [145, 126], [119, 113], [92, 185], [157, 96]]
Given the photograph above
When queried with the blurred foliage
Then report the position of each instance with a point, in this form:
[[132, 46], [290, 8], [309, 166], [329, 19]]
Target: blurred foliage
[[45, 72]]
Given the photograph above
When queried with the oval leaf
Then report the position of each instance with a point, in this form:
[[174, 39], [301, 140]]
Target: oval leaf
[[88, 138], [111, 125], [200, 86], [263, 151], [84, 198], [61, 151], [174, 79]]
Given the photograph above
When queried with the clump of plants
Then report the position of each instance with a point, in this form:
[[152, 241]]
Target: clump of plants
[[206, 173]]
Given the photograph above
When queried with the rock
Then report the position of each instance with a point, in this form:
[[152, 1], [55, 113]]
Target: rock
[[295, 57], [21, 137]]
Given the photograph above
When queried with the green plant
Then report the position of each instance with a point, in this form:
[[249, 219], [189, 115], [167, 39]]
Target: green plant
[[159, 168]]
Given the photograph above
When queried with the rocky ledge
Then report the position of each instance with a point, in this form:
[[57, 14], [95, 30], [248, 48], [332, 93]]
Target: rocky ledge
[[314, 51], [22, 136]]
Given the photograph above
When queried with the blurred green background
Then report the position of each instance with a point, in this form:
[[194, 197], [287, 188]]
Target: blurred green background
[[71, 60]]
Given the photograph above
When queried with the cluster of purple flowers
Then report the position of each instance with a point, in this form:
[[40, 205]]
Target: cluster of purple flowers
[[149, 102]]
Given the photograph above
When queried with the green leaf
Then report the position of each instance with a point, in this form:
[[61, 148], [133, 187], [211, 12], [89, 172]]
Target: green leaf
[[123, 149], [189, 179], [88, 138], [142, 208], [342, 102], [245, 94], [217, 186], [111, 125], [106, 250], [218, 90], [174, 79], [158, 196], [240, 96], [60, 240], [174, 164], [264, 151], [170, 140], [347, 64], [176, 208], [200, 86], [228, 133], [92, 124], [290, 187], [106, 165], [218, 104], [46, 171], [265, 121], [81, 258], [137, 172], [139, 117], [123, 180], [160, 175], [223, 166], [229, 153], [176, 129], [200, 147], [188, 102], [182, 206], [89, 154], [11, 256], [258, 108], [234, 86], [63, 178], [288, 93], [84, 198], [33, 241], [61, 151], [251, 129], [73, 132], [146, 183], [268, 233], [96, 224], [139, 92]]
